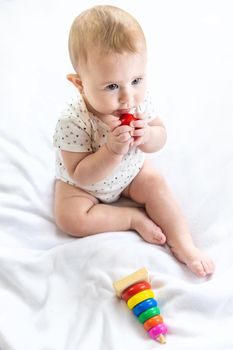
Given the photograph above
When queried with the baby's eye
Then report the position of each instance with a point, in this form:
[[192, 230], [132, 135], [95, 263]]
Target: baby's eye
[[112, 87], [136, 81]]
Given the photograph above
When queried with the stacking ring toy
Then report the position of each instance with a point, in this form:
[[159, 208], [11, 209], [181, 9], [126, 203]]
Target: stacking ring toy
[[126, 119], [144, 305], [153, 311], [135, 290], [153, 321], [141, 296], [158, 330], [139, 287]]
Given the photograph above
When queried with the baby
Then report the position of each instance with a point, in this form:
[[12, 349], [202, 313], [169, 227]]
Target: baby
[[100, 160]]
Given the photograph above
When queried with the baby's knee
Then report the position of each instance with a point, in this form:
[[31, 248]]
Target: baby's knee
[[155, 186], [155, 179], [70, 223]]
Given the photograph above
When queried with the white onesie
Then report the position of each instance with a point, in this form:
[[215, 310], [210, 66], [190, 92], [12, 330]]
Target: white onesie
[[79, 130]]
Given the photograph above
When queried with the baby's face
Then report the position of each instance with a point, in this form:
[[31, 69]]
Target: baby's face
[[115, 83]]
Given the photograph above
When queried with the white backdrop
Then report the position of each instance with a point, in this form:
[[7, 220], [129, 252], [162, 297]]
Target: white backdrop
[[52, 285]]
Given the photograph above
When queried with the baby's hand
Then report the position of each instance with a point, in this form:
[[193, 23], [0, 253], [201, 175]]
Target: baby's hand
[[140, 132], [119, 138]]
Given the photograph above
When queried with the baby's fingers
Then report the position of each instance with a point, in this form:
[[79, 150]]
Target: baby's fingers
[[138, 123], [125, 137], [138, 132], [121, 130], [139, 116], [137, 141], [114, 124]]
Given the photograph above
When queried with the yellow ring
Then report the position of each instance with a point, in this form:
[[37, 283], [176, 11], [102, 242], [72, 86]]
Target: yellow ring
[[139, 297]]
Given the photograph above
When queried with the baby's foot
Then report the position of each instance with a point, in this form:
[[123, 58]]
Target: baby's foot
[[149, 231], [197, 261]]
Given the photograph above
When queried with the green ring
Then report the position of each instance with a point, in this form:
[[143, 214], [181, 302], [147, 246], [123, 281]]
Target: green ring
[[153, 311]]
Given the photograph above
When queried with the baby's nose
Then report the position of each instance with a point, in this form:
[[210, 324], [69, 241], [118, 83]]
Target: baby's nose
[[124, 97]]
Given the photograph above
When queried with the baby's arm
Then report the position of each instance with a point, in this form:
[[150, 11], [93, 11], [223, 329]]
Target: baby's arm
[[87, 168], [151, 137]]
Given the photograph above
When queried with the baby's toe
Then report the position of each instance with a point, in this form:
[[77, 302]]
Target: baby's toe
[[209, 266], [198, 268], [206, 267], [158, 236], [202, 267]]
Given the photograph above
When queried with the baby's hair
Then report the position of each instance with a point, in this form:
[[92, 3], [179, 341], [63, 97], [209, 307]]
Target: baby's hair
[[106, 29]]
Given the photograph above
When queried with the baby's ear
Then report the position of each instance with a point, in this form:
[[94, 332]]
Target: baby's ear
[[76, 80]]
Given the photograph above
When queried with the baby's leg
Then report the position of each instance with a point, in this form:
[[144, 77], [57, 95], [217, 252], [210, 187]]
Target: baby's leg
[[149, 188], [80, 214]]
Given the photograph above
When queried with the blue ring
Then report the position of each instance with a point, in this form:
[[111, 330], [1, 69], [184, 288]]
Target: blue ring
[[143, 306]]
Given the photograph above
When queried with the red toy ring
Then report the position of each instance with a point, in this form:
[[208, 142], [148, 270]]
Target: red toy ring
[[127, 118], [134, 289]]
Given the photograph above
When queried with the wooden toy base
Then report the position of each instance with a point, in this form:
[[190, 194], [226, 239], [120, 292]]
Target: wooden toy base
[[137, 276], [161, 339]]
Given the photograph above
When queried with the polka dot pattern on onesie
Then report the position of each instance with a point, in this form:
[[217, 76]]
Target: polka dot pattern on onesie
[[78, 130]]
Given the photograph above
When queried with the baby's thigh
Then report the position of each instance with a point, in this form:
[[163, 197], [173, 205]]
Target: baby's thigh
[[70, 206], [146, 184]]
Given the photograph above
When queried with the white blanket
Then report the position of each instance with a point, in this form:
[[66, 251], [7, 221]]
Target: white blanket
[[56, 291]]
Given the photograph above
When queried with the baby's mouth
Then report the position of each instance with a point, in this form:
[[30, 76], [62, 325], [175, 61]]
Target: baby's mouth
[[126, 110]]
